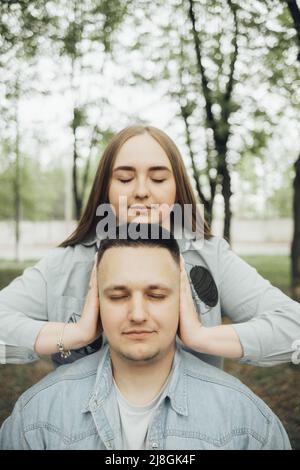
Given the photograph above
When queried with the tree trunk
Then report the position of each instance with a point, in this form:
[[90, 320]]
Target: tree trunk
[[207, 203], [68, 202], [295, 14], [295, 252], [17, 182], [226, 193], [217, 126], [76, 195], [295, 249]]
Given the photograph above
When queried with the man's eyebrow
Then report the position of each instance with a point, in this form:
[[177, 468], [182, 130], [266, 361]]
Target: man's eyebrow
[[115, 287], [112, 288], [159, 287], [152, 168]]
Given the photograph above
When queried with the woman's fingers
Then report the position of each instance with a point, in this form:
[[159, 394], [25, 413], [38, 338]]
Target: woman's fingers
[[92, 298], [93, 295], [93, 277], [96, 295], [184, 282], [90, 321], [188, 320]]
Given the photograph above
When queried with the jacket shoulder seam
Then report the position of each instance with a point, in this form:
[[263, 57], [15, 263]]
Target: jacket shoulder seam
[[51, 382]]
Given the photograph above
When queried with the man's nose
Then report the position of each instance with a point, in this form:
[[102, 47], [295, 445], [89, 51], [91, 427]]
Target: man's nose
[[137, 309]]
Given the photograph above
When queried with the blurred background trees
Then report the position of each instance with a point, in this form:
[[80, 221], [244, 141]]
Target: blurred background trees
[[74, 72], [295, 253], [221, 77]]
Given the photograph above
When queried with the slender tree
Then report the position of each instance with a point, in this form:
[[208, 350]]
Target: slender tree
[[295, 251], [220, 126], [85, 40], [20, 31]]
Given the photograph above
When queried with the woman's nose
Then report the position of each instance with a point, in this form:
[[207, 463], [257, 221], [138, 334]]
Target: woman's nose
[[141, 190]]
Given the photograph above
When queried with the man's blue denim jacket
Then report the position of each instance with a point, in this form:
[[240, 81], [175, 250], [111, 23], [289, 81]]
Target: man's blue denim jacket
[[75, 407]]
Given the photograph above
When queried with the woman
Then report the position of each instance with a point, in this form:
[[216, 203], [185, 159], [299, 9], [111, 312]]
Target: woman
[[53, 307]]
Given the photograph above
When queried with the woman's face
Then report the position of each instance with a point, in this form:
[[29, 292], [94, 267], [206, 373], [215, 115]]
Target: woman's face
[[143, 174]]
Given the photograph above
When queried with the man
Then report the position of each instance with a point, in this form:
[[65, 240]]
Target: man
[[141, 390]]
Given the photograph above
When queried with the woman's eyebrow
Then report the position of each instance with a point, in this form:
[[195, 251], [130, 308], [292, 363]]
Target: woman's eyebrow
[[126, 168], [159, 168], [152, 168]]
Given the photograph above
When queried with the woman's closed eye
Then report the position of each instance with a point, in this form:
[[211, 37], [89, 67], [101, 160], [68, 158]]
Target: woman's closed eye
[[152, 179], [125, 180]]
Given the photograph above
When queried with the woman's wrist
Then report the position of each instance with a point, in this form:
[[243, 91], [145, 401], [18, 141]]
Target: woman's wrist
[[221, 340], [70, 335], [74, 337]]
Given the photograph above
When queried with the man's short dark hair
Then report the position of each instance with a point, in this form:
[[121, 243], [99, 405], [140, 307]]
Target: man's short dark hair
[[140, 235]]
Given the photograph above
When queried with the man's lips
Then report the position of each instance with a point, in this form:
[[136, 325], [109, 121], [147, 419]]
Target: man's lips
[[138, 333]]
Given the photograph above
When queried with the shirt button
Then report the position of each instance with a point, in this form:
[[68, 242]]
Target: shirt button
[[154, 445], [109, 445]]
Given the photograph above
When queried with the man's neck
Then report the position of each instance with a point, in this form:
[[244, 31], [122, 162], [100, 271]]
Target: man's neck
[[140, 383]]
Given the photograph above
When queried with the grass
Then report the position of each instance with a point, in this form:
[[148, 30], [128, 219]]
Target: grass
[[275, 268], [8, 264], [278, 386], [10, 269]]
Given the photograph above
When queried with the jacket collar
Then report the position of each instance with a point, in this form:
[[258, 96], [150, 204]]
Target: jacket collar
[[176, 390], [91, 241], [185, 243]]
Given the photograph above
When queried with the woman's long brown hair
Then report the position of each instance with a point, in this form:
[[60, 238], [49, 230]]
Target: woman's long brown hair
[[99, 193]]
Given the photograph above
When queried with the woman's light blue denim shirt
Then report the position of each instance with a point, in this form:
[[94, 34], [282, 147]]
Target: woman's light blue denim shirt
[[266, 320]]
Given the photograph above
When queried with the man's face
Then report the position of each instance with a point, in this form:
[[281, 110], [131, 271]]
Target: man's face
[[139, 301]]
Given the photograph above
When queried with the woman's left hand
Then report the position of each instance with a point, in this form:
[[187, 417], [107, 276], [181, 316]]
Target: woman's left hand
[[219, 340], [189, 323]]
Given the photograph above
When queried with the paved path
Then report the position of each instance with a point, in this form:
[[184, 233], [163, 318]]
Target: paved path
[[38, 251]]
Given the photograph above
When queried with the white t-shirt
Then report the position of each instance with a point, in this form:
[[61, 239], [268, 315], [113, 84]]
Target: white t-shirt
[[135, 419]]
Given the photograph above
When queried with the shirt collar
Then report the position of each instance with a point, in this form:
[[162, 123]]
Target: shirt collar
[[186, 240], [92, 240], [176, 389], [103, 381], [185, 243], [89, 242]]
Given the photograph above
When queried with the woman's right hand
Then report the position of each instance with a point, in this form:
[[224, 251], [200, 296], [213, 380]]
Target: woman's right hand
[[75, 335], [89, 325]]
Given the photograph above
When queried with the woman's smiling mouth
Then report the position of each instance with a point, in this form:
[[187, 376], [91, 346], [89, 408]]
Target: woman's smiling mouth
[[139, 208]]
